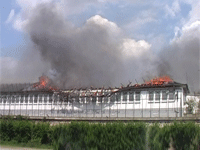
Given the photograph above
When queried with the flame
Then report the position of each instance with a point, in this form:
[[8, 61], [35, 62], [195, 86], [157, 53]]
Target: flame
[[159, 80], [44, 82]]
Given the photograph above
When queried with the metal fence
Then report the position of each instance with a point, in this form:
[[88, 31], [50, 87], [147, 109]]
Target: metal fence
[[48, 105]]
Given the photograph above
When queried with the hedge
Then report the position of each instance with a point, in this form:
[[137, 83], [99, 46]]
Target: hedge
[[159, 137], [118, 135], [185, 136]]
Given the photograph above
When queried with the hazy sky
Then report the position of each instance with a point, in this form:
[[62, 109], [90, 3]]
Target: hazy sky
[[153, 37]]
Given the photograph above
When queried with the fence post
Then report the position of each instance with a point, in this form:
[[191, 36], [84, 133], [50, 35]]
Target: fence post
[[9, 100], [15, 104], [38, 102], [86, 105], [117, 105], [101, 106]]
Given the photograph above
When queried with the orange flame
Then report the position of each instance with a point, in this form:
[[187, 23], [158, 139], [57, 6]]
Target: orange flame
[[159, 80], [44, 83]]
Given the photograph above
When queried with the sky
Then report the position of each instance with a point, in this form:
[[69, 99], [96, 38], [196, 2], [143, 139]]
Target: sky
[[151, 37]]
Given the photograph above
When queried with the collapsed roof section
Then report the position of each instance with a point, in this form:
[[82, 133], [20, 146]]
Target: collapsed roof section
[[157, 82], [45, 85]]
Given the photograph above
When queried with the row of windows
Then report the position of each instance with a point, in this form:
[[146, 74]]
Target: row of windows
[[157, 95], [133, 96], [151, 95], [45, 99], [25, 99]]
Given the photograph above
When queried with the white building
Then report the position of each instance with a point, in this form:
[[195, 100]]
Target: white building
[[158, 98]]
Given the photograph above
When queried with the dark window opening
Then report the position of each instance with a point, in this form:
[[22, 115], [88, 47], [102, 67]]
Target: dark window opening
[[151, 95], [21, 99], [124, 96], [157, 96], [45, 98], [137, 96], [164, 95], [26, 99], [40, 98], [118, 97], [31, 98], [131, 96], [35, 98], [13, 98], [171, 95], [17, 99]]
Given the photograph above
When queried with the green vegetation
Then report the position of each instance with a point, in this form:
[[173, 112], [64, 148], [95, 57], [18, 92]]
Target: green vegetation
[[159, 137], [191, 105], [185, 136], [84, 135]]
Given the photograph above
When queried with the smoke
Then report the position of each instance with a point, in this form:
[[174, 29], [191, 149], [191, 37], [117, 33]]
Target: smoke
[[27, 69], [181, 58], [96, 54]]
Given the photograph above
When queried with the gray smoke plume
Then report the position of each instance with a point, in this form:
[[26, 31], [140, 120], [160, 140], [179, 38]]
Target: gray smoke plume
[[88, 56], [181, 60], [98, 54]]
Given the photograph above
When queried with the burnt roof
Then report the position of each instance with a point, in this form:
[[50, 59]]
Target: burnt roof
[[154, 86]]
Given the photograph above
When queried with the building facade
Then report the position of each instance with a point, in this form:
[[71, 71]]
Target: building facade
[[152, 99]]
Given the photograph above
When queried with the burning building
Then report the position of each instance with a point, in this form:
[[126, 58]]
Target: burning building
[[159, 97]]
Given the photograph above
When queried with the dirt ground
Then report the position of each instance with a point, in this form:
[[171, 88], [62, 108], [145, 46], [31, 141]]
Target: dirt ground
[[18, 148]]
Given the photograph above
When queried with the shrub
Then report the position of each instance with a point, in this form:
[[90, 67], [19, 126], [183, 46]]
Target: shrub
[[185, 135], [191, 105], [100, 136], [159, 137]]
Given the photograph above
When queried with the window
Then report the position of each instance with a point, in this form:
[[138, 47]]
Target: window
[[26, 99], [164, 95], [31, 98], [40, 98], [21, 99], [50, 98], [171, 95], [35, 98], [131, 96], [87, 99], [137, 96], [13, 98], [157, 98], [124, 96], [151, 95], [100, 99], [105, 99], [94, 99], [118, 97], [112, 98], [45, 98], [17, 98], [4, 99]]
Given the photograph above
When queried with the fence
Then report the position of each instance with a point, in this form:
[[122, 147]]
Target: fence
[[49, 104]]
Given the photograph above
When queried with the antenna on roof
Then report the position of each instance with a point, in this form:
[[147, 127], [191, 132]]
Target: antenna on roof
[[143, 79], [136, 81], [129, 83], [186, 77]]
